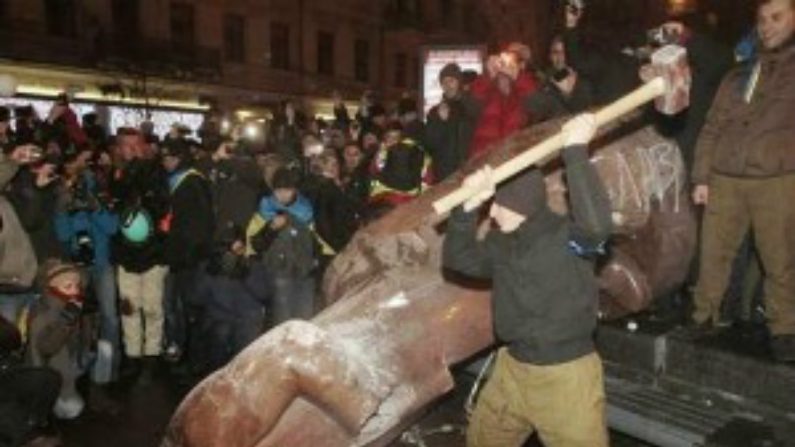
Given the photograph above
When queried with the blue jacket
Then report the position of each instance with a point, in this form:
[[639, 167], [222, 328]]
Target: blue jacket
[[100, 225]]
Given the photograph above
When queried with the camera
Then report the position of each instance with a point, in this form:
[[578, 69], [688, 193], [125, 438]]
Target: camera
[[84, 248]]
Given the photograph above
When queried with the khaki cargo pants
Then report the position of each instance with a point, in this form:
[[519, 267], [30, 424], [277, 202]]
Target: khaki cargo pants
[[565, 403], [767, 206]]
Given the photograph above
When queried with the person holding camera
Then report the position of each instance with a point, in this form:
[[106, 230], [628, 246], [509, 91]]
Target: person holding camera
[[563, 92], [85, 226], [138, 187]]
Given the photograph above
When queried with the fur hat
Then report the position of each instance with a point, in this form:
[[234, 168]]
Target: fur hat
[[525, 194], [56, 273]]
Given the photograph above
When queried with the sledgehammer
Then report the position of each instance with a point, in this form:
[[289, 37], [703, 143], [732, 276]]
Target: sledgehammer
[[670, 88]]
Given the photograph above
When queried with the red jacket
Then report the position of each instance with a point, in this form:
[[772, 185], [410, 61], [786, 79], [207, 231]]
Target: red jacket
[[500, 115]]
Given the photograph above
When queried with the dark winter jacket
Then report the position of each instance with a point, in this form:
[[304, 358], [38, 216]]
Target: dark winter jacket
[[544, 285], [749, 131], [709, 61], [190, 233], [141, 183], [549, 102], [36, 208], [236, 185], [611, 74], [289, 251], [335, 215], [228, 298], [448, 141]]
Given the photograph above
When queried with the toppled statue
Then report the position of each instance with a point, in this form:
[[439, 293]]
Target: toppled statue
[[366, 366]]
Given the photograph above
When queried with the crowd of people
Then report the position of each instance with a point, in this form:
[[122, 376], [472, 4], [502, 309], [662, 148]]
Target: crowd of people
[[123, 251]]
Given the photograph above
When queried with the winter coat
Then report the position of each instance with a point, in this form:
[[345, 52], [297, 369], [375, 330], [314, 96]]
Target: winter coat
[[18, 263], [709, 61], [549, 102], [100, 225], [448, 141], [500, 115], [399, 173], [236, 185], [291, 250], [191, 225], [545, 294], [54, 341], [336, 216], [227, 298], [141, 183], [36, 208], [749, 130]]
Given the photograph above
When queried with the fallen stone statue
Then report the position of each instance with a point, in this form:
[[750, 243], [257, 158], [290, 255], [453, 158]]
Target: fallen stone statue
[[394, 324]]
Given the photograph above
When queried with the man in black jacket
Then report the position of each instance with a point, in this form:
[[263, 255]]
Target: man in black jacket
[[189, 242], [235, 181], [451, 123], [140, 197], [548, 376]]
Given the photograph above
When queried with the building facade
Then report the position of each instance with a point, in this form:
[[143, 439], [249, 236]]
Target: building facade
[[229, 53]]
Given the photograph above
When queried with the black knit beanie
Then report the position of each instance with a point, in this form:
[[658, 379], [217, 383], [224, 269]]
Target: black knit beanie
[[525, 193]]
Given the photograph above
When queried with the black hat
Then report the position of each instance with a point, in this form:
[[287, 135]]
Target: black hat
[[5, 114], [407, 105], [451, 70], [175, 147], [285, 178], [525, 194]]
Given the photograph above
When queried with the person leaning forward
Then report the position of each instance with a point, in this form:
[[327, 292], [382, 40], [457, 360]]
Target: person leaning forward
[[548, 377], [744, 174]]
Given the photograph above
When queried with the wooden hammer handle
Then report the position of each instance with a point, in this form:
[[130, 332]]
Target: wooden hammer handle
[[552, 145]]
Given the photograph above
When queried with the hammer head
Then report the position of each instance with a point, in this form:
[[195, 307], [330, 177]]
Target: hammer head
[[670, 63]]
